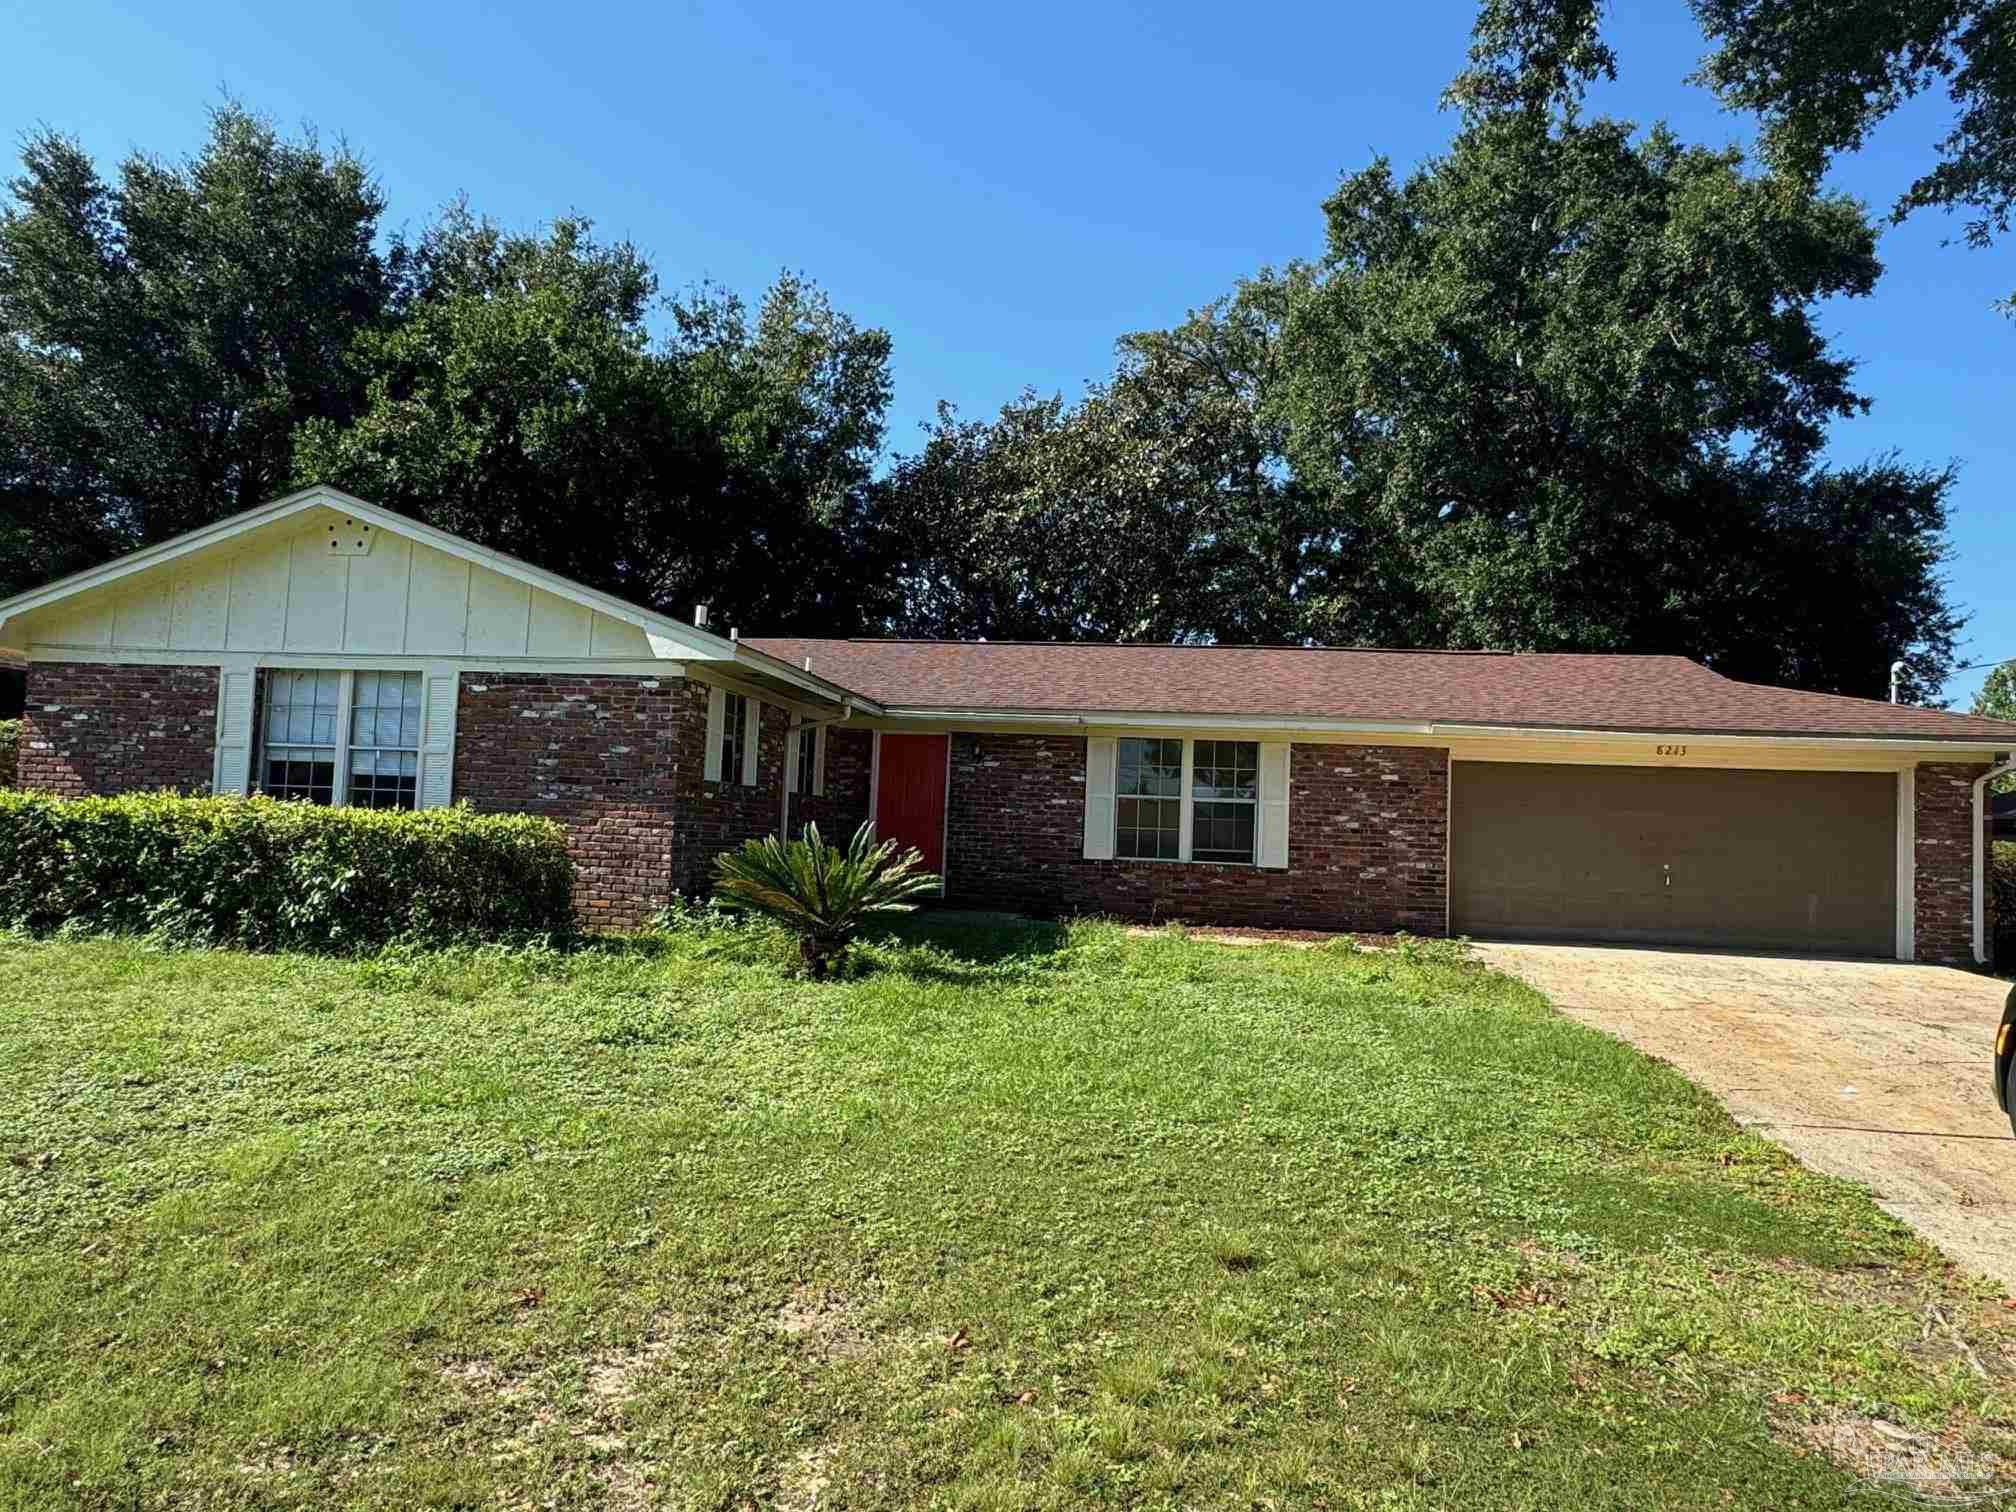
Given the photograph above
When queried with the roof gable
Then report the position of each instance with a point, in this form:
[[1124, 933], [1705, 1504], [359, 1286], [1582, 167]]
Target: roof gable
[[172, 596]]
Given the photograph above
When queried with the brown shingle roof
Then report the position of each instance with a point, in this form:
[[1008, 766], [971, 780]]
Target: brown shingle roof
[[1538, 690]]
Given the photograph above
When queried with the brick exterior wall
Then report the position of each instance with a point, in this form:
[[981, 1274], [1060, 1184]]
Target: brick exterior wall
[[1367, 842], [1943, 862], [619, 761], [93, 729], [841, 809], [599, 754]]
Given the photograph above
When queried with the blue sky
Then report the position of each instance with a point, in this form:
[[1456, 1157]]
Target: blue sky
[[1005, 188]]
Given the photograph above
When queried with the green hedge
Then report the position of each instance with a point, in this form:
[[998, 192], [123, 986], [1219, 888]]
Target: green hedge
[[10, 751], [2002, 886], [268, 875]]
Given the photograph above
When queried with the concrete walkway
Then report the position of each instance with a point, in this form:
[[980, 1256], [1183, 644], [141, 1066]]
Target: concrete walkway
[[1876, 1071]]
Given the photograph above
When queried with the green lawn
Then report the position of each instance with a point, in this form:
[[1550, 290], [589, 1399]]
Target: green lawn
[[1023, 1216]]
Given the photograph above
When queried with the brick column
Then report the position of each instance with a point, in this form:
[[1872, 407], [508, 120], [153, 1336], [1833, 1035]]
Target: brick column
[[1943, 861]]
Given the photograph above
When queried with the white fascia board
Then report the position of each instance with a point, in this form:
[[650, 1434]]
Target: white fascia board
[[358, 661]]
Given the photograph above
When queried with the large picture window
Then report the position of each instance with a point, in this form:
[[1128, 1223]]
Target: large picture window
[[1220, 786], [341, 737], [1149, 800]]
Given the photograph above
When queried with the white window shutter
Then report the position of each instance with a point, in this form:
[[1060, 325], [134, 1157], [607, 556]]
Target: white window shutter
[[717, 705], [437, 749], [819, 762], [1274, 803], [234, 731], [1102, 755], [752, 731], [790, 758]]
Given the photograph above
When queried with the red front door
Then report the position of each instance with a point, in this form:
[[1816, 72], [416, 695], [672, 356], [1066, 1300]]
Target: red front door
[[910, 795]]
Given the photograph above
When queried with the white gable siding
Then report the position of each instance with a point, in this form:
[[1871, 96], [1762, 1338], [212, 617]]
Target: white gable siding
[[437, 602], [284, 592], [500, 614]]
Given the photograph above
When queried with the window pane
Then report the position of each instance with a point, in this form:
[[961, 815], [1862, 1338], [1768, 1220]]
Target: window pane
[[1148, 828], [308, 776], [1222, 831], [1226, 769], [385, 710], [1151, 768]]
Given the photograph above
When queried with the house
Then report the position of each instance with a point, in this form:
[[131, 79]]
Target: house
[[325, 649]]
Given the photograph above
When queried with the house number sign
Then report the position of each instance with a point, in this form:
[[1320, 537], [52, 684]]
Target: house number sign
[[1670, 750]]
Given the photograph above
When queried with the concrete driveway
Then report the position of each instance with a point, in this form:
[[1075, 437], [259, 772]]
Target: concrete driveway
[[1876, 1071]]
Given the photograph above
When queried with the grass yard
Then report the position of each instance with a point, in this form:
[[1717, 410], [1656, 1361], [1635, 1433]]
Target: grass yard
[[1024, 1216]]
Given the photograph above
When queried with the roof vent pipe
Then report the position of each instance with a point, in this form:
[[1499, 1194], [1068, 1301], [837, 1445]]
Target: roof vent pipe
[[700, 616], [1896, 676]]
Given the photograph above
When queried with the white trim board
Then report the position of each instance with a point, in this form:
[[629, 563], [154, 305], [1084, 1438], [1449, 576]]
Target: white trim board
[[360, 661], [1907, 864]]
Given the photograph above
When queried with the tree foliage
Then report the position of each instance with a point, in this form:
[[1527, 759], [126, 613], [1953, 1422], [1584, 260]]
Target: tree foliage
[[1560, 388], [520, 400], [1570, 378], [162, 334], [1997, 698], [1156, 508], [1821, 75]]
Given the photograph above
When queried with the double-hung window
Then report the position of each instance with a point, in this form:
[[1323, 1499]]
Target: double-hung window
[[341, 737], [1225, 794], [1187, 800]]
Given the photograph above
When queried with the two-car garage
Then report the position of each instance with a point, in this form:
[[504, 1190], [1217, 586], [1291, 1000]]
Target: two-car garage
[[1744, 858]]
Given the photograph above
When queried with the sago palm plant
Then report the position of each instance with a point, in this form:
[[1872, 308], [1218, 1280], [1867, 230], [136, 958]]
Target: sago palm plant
[[819, 892]]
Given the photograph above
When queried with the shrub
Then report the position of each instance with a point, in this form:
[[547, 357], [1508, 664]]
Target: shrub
[[268, 875], [10, 752], [821, 894], [2002, 902]]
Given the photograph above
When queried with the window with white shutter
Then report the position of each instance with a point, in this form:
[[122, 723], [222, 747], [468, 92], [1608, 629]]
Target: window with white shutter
[[1166, 798]]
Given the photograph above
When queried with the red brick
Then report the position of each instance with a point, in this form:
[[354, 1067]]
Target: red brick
[[1943, 861], [101, 728], [620, 761], [1367, 842]]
